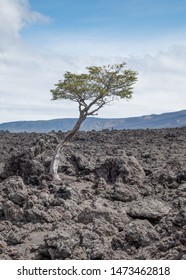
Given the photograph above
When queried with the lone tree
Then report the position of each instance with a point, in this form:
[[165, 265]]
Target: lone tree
[[91, 91]]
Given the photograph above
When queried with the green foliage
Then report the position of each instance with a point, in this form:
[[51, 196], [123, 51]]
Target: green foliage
[[97, 87]]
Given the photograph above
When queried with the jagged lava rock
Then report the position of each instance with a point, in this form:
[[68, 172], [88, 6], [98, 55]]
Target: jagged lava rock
[[122, 195]]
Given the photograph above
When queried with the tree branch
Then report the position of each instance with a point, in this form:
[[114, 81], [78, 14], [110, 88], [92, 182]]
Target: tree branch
[[97, 109]]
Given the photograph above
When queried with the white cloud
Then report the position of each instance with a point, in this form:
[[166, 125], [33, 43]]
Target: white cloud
[[14, 15], [162, 84], [27, 83]]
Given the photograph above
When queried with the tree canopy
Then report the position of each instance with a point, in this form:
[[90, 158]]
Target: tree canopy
[[96, 88]]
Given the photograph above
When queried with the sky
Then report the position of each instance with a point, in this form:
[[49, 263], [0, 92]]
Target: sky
[[42, 39]]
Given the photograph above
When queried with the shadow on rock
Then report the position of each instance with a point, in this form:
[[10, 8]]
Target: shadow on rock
[[24, 165]]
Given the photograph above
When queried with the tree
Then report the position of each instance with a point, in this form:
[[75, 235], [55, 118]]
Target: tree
[[91, 91]]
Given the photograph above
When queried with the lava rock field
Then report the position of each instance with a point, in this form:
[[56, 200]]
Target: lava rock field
[[122, 195]]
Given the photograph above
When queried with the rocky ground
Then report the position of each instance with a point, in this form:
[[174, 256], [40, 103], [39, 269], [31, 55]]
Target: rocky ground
[[122, 196]]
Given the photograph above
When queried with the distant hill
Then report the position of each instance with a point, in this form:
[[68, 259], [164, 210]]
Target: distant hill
[[175, 119]]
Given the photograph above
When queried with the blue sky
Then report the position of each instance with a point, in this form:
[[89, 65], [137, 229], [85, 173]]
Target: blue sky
[[113, 18], [41, 39]]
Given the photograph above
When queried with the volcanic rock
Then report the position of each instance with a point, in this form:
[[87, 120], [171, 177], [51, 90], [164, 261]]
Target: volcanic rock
[[122, 195]]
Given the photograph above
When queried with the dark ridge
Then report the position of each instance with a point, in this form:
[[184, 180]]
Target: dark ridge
[[165, 120]]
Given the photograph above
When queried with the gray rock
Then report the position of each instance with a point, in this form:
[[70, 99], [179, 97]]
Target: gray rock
[[147, 208], [104, 229], [127, 168], [118, 242], [63, 192], [86, 237], [168, 243], [16, 236], [1, 210], [2, 245], [19, 198], [57, 246], [140, 233], [38, 214], [24, 165], [180, 219], [125, 193], [12, 212], [87, 216], [98, 211], [96, 250], [15, 189]]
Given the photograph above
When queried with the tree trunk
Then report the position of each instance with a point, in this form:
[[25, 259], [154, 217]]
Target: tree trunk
[[56, 158]]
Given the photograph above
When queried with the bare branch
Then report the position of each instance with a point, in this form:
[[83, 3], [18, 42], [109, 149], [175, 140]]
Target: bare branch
[[97, 109]]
